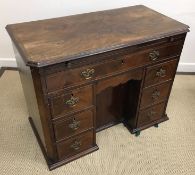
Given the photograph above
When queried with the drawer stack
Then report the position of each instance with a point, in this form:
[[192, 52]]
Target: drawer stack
[[72, 114], [155, 93]]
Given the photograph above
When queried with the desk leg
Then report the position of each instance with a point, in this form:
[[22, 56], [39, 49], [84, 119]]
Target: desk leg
[[137, 133]]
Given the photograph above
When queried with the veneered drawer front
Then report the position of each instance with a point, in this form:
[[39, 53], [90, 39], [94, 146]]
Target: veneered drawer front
[[73, 125], [151, 114], [160, 73], [153, 95], [74, 100], [75, 145], [73, 76]]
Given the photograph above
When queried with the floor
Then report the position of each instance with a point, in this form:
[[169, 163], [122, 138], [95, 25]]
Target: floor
[[169, 149]]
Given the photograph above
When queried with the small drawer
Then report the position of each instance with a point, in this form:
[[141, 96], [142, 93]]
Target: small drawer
[[156, 94], [73, 125], [116, 64], [75, 145], [151, 114], [160, 73], [71, 101]]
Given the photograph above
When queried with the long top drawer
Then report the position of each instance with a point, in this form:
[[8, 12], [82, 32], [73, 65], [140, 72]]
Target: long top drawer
[[118, 63]]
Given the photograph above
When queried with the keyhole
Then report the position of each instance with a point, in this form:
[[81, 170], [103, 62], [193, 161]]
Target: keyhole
[[171, 39], [68, 64], [122, 62]]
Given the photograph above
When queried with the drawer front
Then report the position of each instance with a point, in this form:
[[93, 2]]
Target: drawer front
[[72, 101], [155, 94], [73, 125], [75, 145], [151, 114], [160, 73], [69, 77]]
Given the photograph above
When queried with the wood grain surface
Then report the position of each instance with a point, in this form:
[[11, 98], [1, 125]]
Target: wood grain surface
[[61, 39]]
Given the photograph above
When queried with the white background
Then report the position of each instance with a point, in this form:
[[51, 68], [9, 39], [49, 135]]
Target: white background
[[13, 11]]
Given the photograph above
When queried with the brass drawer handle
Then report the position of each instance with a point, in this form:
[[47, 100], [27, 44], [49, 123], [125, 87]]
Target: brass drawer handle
[[161, 73], [155, 94], [72, 101], [154, 55], [76, 145], [87, 74], [74, 125], [151, 113]]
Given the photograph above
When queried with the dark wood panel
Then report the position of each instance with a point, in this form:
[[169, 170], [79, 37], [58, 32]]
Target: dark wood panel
[[155, 94], [36, 104], [73, 125], [151, 114], [29, 93], [132, 100], [160, 73], [71, 101], [119, 79], [113, 95], [109, 107], [55, 40], [75, 145]]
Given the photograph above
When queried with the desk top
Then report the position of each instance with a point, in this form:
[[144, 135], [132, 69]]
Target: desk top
[[61, 39]]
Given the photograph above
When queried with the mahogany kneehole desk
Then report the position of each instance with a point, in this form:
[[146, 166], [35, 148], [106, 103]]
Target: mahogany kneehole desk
[[84, 73]]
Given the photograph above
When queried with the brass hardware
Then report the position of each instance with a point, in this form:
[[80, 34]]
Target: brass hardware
[[87, 74], [154, 55], [151, 113], [76, 145], [72, 101], [69, 65], [172, 39], [74, 125], [161, 73], [155, 94]]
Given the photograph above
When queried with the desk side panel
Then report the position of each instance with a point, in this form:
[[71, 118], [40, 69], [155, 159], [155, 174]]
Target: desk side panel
[[29, 93], [36, 104]]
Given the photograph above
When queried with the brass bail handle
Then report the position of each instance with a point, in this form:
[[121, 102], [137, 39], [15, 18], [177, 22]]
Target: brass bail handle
[[88, 73], [76, 145], [74, 125], [72, 101], [161, 72], [151, 113], [155, 94], [154, 55]]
